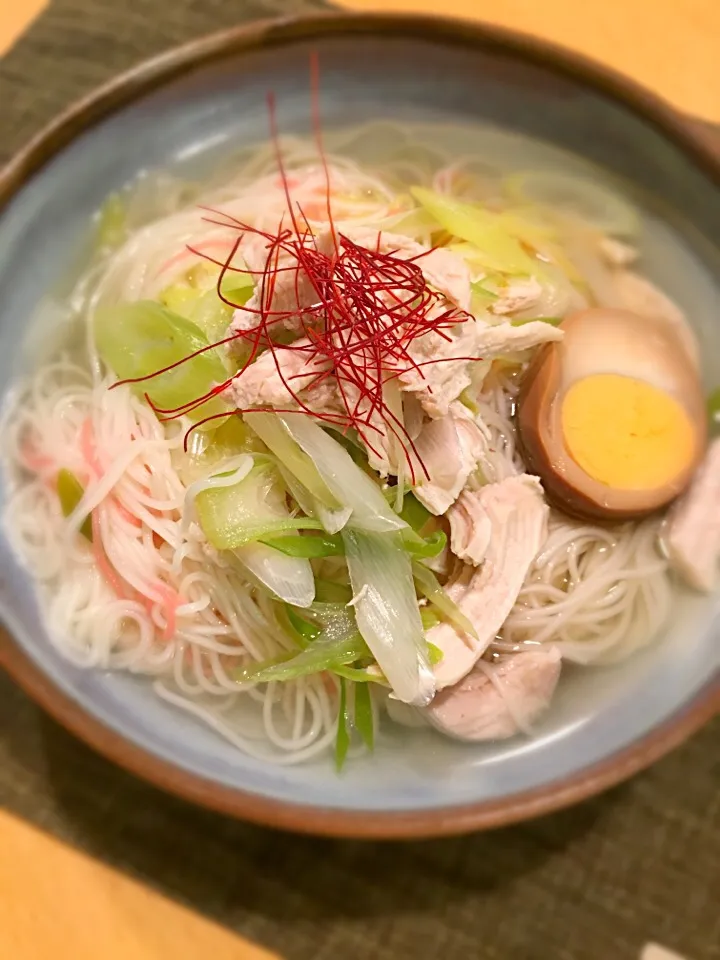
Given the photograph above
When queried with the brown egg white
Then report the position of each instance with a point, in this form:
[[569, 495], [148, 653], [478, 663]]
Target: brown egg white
[[612, 418]]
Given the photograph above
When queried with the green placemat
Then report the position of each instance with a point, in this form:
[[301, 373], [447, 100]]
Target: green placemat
[[594, 883]]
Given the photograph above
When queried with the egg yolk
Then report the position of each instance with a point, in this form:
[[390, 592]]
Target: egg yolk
[[626, 433]]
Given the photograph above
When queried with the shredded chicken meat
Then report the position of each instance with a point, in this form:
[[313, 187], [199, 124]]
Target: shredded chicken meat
[[693, 532], [501, 527], [498, 700]]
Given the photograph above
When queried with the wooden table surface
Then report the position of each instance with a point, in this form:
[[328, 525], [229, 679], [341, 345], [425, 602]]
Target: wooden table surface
[[670, 46]]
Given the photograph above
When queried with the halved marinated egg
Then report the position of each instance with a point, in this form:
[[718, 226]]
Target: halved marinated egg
[[612, 417]]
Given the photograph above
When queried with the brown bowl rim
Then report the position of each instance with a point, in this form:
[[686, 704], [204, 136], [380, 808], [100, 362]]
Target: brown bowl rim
[[693, 138]]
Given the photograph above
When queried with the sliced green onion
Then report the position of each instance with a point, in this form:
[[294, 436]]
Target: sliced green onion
[[70, 492], [414, 513], [363, 715], [306, 632], [358, 675], [327, 591], [320, 655], [431, 546], [312, 547], [416, 516], [342, 740], [428, 585], [387, 612]]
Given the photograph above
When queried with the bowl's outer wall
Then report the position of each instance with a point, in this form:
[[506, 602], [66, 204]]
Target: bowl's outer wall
[[413, 71]]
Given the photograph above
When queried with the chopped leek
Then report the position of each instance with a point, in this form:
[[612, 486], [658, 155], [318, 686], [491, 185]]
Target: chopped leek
[[360, 675], [331, 545], [331, 519], [288, 578], [329, 592], [345, 480], [252, 509], [305, 631], [296, 545], [342, 740], [70, 492], [277, 436], [428, 586], [334, 618], [494, 246], [387, 612], [137, 339], [320, 655], [428, 548], [414, 513], [363, 715]]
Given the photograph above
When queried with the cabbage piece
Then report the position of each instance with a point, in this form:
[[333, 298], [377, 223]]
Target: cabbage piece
[[248, 509], [197, 299], [70, 492], [208, 450], [138, 339], [494, 245], [346, 481], [387, 612], [112, 226]]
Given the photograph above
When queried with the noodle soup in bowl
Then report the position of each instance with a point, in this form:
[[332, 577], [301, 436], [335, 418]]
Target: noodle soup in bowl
[[354, 456]]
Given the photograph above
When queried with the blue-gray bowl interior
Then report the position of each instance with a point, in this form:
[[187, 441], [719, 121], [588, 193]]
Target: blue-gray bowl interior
[[599, 711]]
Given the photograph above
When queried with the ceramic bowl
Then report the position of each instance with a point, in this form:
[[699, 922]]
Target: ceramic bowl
[[607, 723]]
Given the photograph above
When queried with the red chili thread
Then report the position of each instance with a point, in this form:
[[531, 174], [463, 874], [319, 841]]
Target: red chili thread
[[371, 306]]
